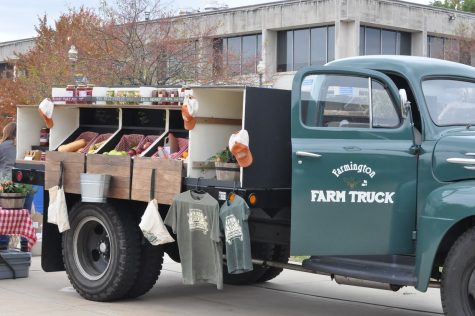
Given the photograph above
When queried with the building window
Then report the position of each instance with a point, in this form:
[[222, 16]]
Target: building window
[[443, 48], [240, 54], [376, 41], [6, 71], [299, 48]]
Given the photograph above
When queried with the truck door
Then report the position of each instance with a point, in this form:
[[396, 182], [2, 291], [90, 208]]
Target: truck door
[[353, 165]]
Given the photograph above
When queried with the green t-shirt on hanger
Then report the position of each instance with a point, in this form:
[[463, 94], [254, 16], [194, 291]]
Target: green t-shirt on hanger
[[194, 218], [234, 215]]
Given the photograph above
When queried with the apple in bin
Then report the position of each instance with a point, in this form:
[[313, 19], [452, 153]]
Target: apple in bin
[[132, 152], [146, 145]]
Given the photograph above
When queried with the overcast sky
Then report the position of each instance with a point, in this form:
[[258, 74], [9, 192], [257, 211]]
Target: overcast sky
[[19, 17]]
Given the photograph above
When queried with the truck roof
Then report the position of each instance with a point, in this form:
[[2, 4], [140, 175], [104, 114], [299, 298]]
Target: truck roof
[[410, 66]]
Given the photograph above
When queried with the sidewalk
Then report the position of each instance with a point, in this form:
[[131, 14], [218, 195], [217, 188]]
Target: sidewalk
[[292, 293]]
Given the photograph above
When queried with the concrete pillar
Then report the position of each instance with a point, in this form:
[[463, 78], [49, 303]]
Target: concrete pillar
[[419, 43], [269, 53], [347, 39]]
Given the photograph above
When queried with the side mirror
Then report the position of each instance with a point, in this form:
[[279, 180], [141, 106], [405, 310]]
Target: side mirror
[[404, 103]]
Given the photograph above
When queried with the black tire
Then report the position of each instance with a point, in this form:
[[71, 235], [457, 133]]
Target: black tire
[[101, 251], [259, 251], [172, 250], [151, 261], [280, 254], [458, 297]]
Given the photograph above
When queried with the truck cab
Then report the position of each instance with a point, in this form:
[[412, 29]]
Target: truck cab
[[382, 172]]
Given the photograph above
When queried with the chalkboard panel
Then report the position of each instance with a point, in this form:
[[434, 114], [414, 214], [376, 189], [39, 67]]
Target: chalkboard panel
[[267, 120]]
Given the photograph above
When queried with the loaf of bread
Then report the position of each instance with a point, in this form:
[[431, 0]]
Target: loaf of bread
[[73, 146]]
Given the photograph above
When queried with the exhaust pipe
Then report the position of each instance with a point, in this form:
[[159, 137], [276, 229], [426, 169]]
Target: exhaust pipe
[[364, 283]]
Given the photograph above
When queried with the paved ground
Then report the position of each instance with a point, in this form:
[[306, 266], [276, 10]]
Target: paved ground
[[292, 293]]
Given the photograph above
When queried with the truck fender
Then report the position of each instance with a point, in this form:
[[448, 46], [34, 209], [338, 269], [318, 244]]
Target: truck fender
[[445, 207]]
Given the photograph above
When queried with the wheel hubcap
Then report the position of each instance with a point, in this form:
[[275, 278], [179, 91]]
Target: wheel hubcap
[[471, 292], [92, 248]]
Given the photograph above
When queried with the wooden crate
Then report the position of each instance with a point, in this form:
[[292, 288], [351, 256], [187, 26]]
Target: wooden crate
[[74, 164], [119, 169], [168, 178]]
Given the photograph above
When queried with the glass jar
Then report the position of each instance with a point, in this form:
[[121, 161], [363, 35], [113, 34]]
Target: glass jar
[[70, 93], [174, 94], [44, 136], [81, 92], [163, 94], [89, 89]]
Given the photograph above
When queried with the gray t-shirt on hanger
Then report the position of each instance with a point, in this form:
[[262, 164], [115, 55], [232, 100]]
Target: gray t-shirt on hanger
[[194, 218], [236, 233]]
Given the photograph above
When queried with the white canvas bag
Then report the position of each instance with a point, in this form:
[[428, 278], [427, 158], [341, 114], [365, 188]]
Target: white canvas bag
[[57, 208], [151, 223]]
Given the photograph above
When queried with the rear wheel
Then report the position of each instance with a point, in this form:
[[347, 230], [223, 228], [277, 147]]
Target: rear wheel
[[151, 261], [258, 251], [458, 277], [101, 251], [280, 254]]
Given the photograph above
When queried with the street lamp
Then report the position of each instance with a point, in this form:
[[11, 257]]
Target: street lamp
[[73, 58], [261, 68]]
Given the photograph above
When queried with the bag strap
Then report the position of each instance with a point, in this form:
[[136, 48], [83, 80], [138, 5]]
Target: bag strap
[[61, 174], [152, 185]]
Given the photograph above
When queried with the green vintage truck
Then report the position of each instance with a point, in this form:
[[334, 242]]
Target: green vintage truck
[[366, 166]]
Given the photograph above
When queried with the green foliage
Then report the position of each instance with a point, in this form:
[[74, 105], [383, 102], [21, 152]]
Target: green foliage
[[224, 155], [462, 5], [11, 187]]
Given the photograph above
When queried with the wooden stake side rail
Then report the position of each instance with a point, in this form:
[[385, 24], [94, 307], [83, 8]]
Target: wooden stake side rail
[[130, 178], [119, 167], [74, 165], [168, 179]]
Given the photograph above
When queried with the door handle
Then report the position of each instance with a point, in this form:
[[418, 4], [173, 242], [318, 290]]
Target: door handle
[[468, 162], [352, 148], [307, 154]]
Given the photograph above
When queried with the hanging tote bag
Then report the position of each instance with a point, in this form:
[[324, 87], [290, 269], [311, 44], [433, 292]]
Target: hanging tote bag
[[57, 209], [151, 223]]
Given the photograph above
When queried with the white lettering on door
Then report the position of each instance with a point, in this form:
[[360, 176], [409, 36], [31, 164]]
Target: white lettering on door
[[330, 196]]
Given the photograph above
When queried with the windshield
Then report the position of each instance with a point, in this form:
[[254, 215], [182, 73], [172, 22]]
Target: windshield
[[450, 102]]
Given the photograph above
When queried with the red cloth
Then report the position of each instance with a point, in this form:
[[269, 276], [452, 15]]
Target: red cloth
[[17, 222]]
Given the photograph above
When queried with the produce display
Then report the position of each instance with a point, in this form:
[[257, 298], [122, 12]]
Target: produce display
[[95, 147], [114, 152], [128, 145], [74, 146]]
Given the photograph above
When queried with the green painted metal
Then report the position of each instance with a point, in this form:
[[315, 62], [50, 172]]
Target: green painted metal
[[445, 192], [455, 144], [444, 207], [369, 209]]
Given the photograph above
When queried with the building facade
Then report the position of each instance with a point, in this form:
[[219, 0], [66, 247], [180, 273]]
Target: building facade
[[7, 53], [289, 35]]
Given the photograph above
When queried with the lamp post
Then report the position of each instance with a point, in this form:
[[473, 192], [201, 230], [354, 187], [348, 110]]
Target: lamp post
[[261, 67], [73, 58]]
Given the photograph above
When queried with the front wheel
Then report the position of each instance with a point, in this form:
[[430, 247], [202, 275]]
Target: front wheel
[[101, 251], [458, 277]]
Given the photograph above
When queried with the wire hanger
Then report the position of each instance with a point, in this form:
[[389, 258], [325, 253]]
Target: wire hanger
[[197, 189], [230, 196]]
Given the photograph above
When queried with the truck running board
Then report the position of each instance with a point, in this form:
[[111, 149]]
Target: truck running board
[[390, 269], [337, 278]]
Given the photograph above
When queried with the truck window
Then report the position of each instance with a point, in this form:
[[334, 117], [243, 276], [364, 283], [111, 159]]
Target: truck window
[[450, 102], [345, 101]]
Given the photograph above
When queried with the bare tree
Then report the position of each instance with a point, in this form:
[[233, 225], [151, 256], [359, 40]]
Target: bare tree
[[147, 45]]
